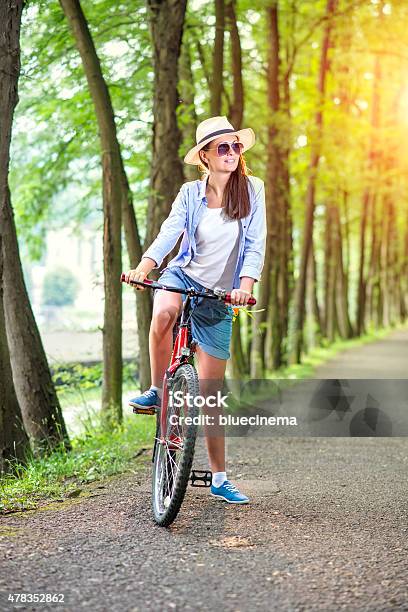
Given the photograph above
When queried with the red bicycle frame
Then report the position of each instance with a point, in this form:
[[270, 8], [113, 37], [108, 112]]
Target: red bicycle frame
[[182, 350]]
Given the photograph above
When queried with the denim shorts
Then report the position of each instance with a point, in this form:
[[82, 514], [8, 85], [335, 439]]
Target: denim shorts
[[211, 320]]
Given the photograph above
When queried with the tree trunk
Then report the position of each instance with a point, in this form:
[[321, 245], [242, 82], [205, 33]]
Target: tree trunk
[[385, 319], [315, 308], [389, 263], [13, 438], [361, 291], [313, 325], [367, 199], [166, 24], [263, 349], [330, 277], [218, 60], [197, 35], [239, 365], [299, 307], [341, 286], [404, 275], [346, 232], [112, 180], [236, 110], [275, 183], [287, 255], [373, 285], [187, 112], [38, 400]]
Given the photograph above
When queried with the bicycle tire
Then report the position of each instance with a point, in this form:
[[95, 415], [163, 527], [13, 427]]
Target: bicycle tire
[[164, 516]]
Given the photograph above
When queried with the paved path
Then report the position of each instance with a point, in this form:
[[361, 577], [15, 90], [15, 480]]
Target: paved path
[[327, 528]]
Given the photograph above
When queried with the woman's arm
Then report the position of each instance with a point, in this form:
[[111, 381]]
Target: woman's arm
[[170, 230]]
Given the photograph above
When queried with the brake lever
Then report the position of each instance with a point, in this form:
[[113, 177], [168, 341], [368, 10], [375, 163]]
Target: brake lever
[[220, 292]]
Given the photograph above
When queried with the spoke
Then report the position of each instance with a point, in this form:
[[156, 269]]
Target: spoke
[[162, 480], [171, 459], [176, 468], [166, 482]]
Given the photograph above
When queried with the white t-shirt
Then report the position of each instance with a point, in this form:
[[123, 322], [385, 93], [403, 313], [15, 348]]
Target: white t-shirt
[[217, 240]]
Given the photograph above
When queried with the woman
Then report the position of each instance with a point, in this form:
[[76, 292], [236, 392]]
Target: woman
[[223, 222]]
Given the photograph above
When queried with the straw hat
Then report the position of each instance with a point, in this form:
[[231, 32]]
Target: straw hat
[[213, 128]]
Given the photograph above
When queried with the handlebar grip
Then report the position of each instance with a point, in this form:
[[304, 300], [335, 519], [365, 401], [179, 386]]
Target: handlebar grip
[[146, 281], [251, 301]]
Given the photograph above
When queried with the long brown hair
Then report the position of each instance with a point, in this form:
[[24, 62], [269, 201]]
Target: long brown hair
[[235, 199]]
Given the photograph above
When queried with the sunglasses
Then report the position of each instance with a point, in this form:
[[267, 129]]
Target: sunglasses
[[224, 147]]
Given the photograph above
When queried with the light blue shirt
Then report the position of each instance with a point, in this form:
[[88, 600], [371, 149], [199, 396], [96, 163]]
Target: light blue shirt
[[185, 215]]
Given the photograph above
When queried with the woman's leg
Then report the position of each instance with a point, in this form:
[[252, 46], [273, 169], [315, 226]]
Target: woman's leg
[[211, 372], [166, 308]]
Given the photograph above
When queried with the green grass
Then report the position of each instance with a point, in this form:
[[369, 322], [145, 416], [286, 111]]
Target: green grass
[[95, 455]]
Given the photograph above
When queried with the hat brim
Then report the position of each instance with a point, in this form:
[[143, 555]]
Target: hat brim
[[246, 136]]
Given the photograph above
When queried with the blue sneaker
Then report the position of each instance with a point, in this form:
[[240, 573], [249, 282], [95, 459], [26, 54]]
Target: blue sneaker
[[146, 403], [229, 493]]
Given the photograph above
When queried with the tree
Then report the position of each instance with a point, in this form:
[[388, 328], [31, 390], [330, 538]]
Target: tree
[[236, 109], [13, 438], [368, 196], [239, 363], [107, 124], [218, 59], [187, 117], [311, 188], [38, 400], [166, 26], [269, 299]]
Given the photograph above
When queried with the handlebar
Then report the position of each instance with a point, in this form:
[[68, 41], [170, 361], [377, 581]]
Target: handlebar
[[217, 294]]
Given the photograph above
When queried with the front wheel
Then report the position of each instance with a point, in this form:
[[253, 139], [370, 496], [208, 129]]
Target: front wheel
[[175, 447]]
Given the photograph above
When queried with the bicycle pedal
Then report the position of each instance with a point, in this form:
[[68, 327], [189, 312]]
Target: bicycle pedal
[[203, 476], [145, 409]]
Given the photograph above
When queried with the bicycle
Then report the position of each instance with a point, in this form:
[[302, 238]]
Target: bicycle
[[175, 438]]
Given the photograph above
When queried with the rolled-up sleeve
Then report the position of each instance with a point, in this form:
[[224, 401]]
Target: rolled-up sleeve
[[255, 239], [170, 230]]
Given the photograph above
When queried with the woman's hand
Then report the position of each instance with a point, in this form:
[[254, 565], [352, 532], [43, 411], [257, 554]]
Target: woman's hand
[[240, 297], [140, 273]]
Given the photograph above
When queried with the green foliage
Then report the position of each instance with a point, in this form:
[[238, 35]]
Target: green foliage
[[55, 119], [60, 287], [55, 172], [78, 377], [95, 455]]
